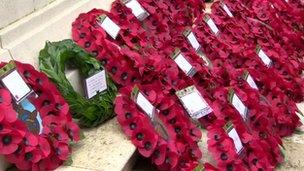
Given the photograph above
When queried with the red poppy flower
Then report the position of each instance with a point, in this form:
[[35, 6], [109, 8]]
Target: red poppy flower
[[62, 150], [9, 142], [28, 150]]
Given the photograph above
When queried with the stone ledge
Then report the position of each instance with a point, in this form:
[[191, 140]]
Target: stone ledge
[[104, 148], [70, 168], [5, 56], [30, 23], [12, 10], [26, 47]]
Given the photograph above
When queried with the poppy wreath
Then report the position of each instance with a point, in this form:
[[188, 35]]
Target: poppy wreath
[[291, 13], [280, 52], [123, 70], [125, 18], [287, 125], [169, 138], [168, 90], [28, 150], [253, 133], [119, 8], [165, 19], [292, 41], [292, 17], [148, 65], [230, 165], [167, 71], [222, 116], [170, 163], [289, 80], [90, 112], [176, 79], [265, 18], [283, 109], [219, 63], [235, 33], [253, 136], [277, 154], [281, 104]]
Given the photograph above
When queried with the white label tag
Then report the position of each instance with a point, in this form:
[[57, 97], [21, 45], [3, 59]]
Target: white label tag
[[239, 106], [110, 27], [236, 139], [212, 25], [137, 9], [251, 82], [193, 41], [224, 6], [95, 84], [266, 60], [205, 58], [272, 6], [183, 64], [145, 105], [16, 85], [194, 103]]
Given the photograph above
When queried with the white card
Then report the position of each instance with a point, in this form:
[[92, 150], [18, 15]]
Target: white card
[[206, 59], [193, 41], [96, 83], [183, 64], [226, 9], [196, 106], [110, 27], [16, 85], [239, 106], [136, 8], [236, 139], [266, 60], [251, 82], [212, 25], [144, 104], [272, 6]]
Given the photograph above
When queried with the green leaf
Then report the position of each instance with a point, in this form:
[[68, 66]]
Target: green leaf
[[200, 167], [53, 60], [81, 134], [68, 162], [299, 132]]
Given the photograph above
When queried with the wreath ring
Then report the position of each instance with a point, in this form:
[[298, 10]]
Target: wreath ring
[[168, 137], [28, 149], [89, 112]]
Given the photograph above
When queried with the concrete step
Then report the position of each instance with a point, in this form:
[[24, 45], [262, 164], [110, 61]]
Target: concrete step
[[27, 36], [104, 148]]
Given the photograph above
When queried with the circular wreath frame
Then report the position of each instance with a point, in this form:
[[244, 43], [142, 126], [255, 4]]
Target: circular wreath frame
[[173, 145], [53, 59], [32, 151]]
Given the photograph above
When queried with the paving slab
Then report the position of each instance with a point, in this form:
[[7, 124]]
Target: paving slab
[[12, 10], [104, 148]]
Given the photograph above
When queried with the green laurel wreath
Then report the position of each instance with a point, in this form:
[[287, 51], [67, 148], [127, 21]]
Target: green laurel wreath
[[52, 61]]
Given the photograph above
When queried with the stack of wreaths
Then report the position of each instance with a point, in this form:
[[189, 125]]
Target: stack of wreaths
[[157, 49]]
